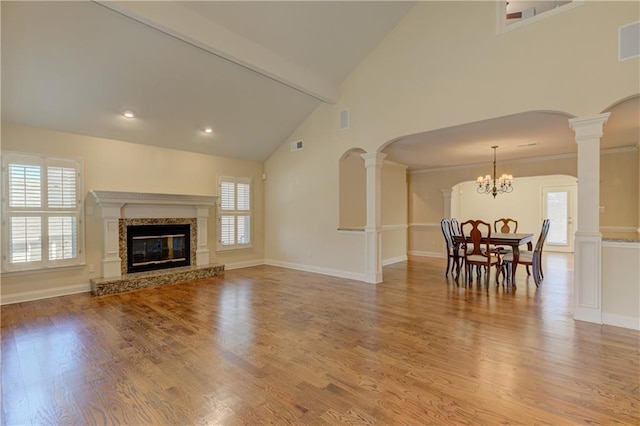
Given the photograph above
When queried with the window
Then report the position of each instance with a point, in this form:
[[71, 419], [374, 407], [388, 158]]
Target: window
[[41, 206], [234, 213]]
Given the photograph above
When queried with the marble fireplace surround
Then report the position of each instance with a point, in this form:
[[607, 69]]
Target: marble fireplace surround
[[120, 208]]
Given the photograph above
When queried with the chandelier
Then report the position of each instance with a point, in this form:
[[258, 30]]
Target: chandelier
[[487, 185]]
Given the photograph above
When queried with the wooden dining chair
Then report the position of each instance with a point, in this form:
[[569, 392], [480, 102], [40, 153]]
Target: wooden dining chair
[[445, 225], [477, 236], [507, 225], [531, 258], [455, 226]]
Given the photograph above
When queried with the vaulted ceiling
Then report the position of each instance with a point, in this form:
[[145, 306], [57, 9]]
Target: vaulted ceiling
[[251, 71]]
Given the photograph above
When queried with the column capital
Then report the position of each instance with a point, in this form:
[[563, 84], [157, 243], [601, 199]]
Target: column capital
[[446, 193], [589, 127], [373, 159]]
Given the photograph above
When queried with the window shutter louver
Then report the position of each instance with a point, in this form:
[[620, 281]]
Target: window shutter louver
[[61, 189], [227, 196], [243, 196], [24, 186], [62, 241], [25, 243]]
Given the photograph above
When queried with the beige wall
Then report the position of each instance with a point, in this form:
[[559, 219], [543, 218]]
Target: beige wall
[[442, 66], [394, 212], [121, 166], [619, 192]]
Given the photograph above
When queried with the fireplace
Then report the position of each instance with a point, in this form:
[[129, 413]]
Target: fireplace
[[151, 247], [123, 209]]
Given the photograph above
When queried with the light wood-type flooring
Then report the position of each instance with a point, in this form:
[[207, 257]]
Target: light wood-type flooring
[[267, 345]]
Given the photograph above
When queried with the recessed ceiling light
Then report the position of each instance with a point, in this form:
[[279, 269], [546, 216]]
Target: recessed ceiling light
[[208, 130], [128, 114]]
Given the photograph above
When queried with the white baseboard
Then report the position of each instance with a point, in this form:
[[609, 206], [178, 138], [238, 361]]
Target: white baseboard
[[317, 270], [427, 254], [245, 264], [621, 321], [28, 296], [393, 260]]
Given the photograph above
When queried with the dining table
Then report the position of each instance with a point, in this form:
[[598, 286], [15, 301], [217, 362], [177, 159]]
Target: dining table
[[513, 240]]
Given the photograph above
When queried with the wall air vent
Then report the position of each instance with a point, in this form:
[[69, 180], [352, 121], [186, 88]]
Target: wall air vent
[[344, 119], [296, 146], [629, 41]]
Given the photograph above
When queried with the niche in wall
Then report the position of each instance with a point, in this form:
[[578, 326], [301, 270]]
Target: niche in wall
[[353, 190]]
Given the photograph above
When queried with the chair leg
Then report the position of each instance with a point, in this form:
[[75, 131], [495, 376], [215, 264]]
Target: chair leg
[[536, 270], [446, 271]]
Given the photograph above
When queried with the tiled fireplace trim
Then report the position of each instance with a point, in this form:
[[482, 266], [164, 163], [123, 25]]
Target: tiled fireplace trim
[[122, 232]]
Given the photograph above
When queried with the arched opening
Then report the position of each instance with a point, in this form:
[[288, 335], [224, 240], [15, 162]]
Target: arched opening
[[534, 199]]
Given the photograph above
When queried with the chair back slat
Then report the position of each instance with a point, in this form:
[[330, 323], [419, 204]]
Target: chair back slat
[[507, 225], [455, 226], [476, 230]]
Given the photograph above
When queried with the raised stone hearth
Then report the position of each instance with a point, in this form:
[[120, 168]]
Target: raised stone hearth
[[140, 280]]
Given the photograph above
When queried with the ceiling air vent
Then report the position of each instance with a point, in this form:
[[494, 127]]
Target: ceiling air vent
[[629, 41], [296, 146]]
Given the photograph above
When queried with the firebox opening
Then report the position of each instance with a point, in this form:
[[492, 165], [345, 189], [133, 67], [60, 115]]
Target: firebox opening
[[151, 247]]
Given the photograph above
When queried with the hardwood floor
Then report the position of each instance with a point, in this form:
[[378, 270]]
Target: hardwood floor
[[266, 345]]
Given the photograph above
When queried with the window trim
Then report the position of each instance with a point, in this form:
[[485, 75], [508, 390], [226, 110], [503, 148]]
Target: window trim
[[43, 212], [220, 212]]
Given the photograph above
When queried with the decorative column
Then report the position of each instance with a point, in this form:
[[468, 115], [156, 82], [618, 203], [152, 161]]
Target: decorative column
[[202, 251], [587, 286], [373, 229], [446, 197], [111, 262]]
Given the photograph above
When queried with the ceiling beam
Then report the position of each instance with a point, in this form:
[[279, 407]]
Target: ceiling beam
[[181, 22]]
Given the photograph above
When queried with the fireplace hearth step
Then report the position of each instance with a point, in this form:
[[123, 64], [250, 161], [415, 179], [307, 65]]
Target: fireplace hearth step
[[140, 280]]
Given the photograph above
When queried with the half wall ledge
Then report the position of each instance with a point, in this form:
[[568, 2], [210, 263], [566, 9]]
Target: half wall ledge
[[140, 280]]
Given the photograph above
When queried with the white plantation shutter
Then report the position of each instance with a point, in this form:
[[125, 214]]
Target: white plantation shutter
[[61, 189], [234, 213], [244, 198], [25, 239], [24, 185], [62, 237], [227, 196], [41, 212]]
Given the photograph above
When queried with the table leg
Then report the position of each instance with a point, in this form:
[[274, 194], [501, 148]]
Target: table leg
[[514, 264], [456, 258]]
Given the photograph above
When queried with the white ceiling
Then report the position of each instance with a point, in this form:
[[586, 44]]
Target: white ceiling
[[252, 71], [76, 66]]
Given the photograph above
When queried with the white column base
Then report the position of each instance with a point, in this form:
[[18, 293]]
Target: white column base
[[588, 277], [373, 268]]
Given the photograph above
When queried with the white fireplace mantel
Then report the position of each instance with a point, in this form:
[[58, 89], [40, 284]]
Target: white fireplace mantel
[[117, 205]]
